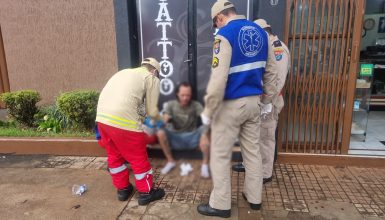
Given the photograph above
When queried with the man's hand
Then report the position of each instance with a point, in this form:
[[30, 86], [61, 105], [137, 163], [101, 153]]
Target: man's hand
[[266, 109], [205, 120], [166, 118]]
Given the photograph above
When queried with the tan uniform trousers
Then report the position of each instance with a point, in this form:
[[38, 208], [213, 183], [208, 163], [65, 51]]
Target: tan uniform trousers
[[267, 140], [240, 116]]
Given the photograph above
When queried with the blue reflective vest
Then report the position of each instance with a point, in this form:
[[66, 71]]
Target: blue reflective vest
[[249, 44]]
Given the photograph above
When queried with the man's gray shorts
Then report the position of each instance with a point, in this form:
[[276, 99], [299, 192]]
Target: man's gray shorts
[[184, 140]]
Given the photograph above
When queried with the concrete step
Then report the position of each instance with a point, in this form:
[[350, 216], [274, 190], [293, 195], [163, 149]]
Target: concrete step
[[156, 152]]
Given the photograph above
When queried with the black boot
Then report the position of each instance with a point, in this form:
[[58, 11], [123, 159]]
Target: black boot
[[238, 167], [253, 205], [124, 194], [154, 194], [205, 209], [266, 180]]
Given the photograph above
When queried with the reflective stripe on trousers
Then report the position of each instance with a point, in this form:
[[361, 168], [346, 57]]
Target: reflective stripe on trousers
[[142, 175], [146, 175], [118, 169]]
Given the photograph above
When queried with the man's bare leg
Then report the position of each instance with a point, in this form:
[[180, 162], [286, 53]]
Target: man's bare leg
[[204, 146], [162, 137]]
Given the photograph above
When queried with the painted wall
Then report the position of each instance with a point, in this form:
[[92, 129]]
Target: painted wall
[[58, 46], [372, 35], [375, 6]]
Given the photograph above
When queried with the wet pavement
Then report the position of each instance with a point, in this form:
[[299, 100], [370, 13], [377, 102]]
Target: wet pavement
[[39, 187]]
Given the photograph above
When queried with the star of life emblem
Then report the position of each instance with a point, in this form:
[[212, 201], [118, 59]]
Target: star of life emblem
[[250, 41]]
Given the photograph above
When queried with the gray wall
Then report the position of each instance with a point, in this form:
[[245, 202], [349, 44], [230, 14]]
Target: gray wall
[[374, 6], [273, 14], [126, 33]]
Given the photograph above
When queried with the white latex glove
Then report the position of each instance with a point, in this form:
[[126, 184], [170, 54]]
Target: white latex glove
[[205, 119], [266, 109]]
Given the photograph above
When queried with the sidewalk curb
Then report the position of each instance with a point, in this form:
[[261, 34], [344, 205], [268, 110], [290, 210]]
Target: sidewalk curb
[[90, 147], [53, 146]]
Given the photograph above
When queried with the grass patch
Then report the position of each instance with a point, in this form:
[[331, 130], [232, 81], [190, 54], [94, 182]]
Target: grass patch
[[12, 131]]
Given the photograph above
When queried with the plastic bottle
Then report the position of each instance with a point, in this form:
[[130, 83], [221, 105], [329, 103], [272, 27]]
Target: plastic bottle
[[79, 189]]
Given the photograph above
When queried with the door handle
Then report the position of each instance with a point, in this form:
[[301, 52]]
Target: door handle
[[186, 61]]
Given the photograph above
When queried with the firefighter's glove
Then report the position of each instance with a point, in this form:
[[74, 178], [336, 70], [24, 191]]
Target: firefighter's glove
[[160, 124], [153, 124], [149, 122], [205, 120]]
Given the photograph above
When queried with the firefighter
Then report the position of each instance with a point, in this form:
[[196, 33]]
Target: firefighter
[[269, 121], [125, 100], [241, 73]]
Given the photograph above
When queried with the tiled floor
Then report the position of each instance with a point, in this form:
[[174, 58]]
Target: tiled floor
[[375, 134], [297, 191], [293, 188]]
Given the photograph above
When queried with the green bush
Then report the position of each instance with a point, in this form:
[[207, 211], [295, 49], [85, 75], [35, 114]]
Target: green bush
[[50, 119], [79, 106], [21, 105], [6, 124]]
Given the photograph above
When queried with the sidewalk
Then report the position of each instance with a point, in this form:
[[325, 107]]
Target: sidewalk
[[39, 187]]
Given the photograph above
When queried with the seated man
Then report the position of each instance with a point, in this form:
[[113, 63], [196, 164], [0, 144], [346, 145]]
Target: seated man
[[183, 115]]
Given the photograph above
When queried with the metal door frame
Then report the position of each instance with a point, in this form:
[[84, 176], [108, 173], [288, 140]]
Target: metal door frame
[[339, 119]]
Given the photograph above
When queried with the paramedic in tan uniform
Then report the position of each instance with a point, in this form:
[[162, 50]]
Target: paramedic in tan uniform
[[125, 100], [269, 121], [241, 73]]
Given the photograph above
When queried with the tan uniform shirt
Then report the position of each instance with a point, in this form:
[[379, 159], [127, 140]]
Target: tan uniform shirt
[[282, 60], [219, 74], [127, 97]]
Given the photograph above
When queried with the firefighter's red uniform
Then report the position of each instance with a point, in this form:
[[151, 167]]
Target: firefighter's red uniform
[[123, 103]]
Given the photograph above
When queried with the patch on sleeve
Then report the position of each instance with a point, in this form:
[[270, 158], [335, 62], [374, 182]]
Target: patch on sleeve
[[277, 43], [217, 46], [215, 62], [278, 53]]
